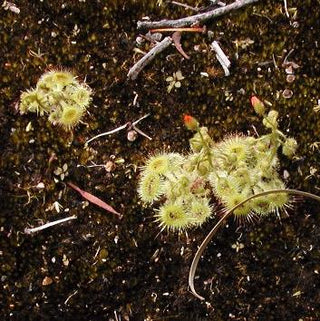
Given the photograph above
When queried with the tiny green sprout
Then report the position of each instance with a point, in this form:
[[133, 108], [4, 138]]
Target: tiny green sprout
[[174, 81], [59, 94], [289, 147]]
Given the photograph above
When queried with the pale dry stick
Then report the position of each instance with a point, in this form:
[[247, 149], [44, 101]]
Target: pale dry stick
[[107, 133], [146, 59], [42, 227], [186, 6], [208, 238], [286, 8], [195, 19], [222, 57]]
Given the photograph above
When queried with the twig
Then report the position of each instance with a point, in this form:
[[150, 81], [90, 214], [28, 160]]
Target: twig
[[186, 6], [42, 227], [146, 59], [285, 60], [208, 238], [107, 133], [127, 125], [286, 8], [195, 19], [187, 29], [222, 58]]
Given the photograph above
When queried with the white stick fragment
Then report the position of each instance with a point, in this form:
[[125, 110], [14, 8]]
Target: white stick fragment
[[286, 8], [107, 133], [42, 227], [10, 6], [222, 58]]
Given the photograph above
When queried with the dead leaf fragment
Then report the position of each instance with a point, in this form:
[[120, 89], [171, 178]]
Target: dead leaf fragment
[[47, 281], [93, 199]]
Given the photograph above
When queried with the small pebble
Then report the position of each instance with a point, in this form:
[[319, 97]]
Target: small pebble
[[290, 78], [287, 93]]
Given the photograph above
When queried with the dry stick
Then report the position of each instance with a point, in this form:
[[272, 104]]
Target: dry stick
[[187, 29], [44, 226], [186, 6], [195, 19], [208, 238], [137, 68], [222, 58]]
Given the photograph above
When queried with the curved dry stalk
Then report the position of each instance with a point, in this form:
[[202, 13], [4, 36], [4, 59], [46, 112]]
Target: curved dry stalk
[[208, 238]]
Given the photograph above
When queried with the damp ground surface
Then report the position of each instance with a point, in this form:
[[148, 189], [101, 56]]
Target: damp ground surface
[[98, 267]]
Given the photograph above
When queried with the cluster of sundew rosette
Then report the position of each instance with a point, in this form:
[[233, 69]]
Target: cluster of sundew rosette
[[232, 170], [59, 94]]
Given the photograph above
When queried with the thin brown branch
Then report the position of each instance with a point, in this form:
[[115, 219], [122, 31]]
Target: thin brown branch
[[147, 58], [188, 29], [195, 19]]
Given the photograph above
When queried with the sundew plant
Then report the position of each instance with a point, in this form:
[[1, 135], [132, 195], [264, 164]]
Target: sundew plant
[[240, 171], [59, 94], [232, 170]]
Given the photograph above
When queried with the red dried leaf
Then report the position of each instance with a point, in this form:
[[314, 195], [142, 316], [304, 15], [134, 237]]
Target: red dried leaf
[[95, 200], [176, 37]]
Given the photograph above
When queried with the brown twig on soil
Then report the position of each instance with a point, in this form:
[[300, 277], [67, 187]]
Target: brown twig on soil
[[187, 29], [176, 37], [195, 19], [146, 59]]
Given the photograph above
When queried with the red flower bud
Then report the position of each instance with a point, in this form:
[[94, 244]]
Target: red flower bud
[[190, 122], [258, 105]]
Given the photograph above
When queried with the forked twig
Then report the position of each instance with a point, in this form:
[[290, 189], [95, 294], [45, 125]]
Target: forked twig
[[147, 58], [129, 125], [208, 238], [195, 19]]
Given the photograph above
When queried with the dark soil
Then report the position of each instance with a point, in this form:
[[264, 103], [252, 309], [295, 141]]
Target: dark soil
[[101, 268]]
